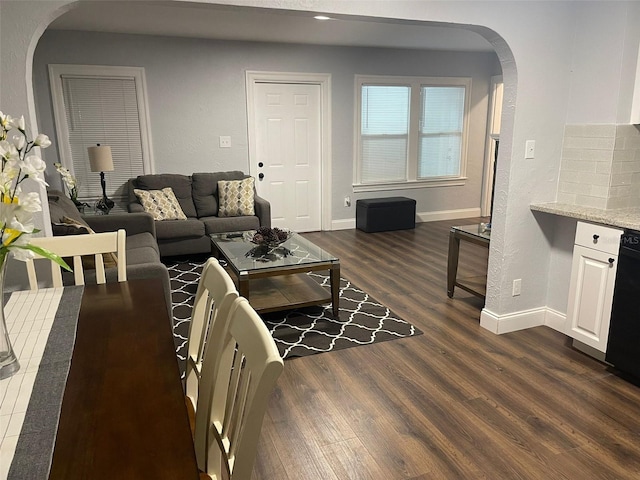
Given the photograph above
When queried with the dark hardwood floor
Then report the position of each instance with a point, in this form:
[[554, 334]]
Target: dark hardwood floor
[[457, 402]]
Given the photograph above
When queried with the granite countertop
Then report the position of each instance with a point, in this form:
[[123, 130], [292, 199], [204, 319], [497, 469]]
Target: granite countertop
[[618, 217]]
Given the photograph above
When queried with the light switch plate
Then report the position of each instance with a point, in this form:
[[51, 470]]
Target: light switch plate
[[530, 149]]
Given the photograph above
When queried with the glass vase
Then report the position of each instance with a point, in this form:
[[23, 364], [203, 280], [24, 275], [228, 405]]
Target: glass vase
[[8, 360]]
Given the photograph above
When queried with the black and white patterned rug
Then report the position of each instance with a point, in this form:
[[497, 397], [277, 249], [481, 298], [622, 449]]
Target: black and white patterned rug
[[306, 331]]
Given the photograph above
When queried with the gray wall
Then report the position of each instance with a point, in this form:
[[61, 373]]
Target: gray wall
[[196, 92]]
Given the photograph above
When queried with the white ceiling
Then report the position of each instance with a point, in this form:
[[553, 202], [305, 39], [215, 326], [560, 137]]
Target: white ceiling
[[253, 24]]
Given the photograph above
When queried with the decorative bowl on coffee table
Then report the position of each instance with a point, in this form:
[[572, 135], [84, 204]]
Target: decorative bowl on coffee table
[[268, 242]]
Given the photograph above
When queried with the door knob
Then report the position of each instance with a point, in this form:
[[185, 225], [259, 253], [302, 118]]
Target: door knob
[[595, 238], [261, 176], [260, 164], [611, 260]]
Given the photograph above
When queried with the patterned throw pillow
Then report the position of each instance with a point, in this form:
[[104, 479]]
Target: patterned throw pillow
[[235, 197], [161, 204]]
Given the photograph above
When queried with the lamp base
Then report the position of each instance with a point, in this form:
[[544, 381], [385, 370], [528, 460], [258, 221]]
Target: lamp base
[[104, 205]]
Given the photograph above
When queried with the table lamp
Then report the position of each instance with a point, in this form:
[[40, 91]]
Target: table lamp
[[101, 161]]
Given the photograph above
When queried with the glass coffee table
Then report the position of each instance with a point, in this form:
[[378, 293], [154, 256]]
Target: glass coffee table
[[277, 279]]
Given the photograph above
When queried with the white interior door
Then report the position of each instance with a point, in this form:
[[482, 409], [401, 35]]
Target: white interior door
[[288, 153]]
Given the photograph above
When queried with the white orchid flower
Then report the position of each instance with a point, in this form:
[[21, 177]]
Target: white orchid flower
[[68, 179], [18, 123], [8, 151], [42, 141], [5, 121], [19, 141], [33, 164], [23, 254], [10, 170], [24, 220], [30, 202]]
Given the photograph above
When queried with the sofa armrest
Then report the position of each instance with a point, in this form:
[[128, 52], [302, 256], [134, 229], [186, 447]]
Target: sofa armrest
[[263, 211], [133, 223]]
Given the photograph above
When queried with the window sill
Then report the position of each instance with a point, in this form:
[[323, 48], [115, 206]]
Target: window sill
[[407, 185]]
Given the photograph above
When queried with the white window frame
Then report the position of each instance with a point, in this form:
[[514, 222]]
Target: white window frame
[[56, 71], [416, 84]]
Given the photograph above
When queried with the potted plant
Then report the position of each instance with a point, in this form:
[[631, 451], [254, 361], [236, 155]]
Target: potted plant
[[19, 162], [71, 185]]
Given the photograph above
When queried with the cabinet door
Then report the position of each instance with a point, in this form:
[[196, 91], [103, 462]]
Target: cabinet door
[[593, 275]]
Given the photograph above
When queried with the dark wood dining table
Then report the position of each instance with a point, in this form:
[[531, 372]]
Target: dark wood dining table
[[123, 413]]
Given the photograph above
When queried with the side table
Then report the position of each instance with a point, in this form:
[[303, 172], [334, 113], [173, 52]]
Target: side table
[[477, 234]]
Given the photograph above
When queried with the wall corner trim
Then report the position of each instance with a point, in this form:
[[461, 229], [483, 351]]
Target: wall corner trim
[[522, 320], [512, 322]]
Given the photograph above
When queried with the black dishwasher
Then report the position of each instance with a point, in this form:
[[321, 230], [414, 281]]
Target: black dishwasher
[[623, 347]]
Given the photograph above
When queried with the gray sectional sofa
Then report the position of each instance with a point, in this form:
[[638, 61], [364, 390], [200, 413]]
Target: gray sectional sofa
[[197, 195], [143, 254]]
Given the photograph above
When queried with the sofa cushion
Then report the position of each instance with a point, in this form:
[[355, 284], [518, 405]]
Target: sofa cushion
[[235, 197], [230, 224], [161, 204], [190, 228], [205, 190], [180, 184]]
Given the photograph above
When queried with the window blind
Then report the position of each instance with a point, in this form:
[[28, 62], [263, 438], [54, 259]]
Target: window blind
[[384, 133], [442, 120], [103, 110]]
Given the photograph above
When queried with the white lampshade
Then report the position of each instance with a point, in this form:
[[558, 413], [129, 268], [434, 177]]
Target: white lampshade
[[100, 159]]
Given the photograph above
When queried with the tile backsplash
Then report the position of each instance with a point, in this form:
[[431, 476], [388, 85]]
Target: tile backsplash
[[600, 166]]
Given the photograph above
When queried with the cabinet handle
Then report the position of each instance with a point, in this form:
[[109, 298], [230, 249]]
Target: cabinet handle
[[595, 238], [611, 260]]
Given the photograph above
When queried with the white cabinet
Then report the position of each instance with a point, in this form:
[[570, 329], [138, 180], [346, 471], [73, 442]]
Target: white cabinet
[[593, 275]]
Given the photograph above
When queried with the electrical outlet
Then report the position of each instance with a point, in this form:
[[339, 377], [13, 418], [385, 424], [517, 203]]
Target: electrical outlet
[[517, 287], [225, 141], [347, 201]]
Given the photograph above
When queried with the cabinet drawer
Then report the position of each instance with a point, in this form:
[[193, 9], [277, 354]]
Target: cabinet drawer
[[598, 237]]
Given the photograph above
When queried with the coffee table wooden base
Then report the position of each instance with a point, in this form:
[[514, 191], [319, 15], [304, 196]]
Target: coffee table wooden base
[[272, 293], [285, 292]]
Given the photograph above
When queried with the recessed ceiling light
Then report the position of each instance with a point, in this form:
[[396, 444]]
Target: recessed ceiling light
[[322, 17]]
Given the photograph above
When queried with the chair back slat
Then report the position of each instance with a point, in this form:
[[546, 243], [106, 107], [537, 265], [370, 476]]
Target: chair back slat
[[215, 294], [77, 246], [246, 370]]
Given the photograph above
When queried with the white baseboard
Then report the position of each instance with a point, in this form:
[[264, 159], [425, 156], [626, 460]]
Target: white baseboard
[[512, 322], [349, 223], [448, 214], [556, 320], [344, 224]]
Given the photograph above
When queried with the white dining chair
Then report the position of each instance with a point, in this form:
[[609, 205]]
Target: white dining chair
[[214, 297], [78, 246], [243, 374]]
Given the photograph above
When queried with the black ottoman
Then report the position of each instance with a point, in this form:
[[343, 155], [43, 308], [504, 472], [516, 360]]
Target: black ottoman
[[385, 214]]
